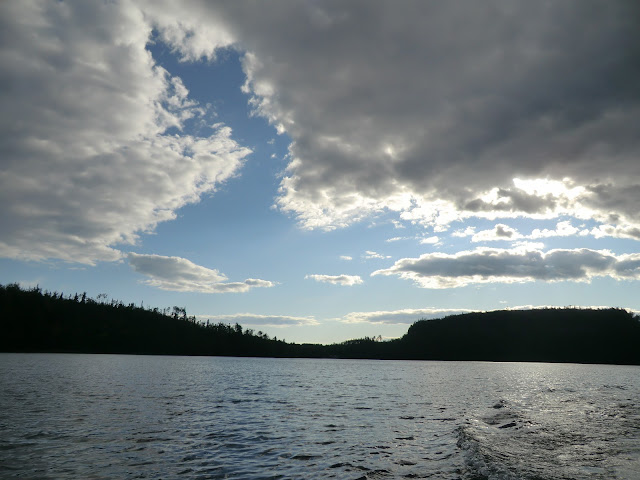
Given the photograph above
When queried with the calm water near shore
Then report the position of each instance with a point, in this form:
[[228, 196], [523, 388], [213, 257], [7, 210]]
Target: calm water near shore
[[122, 416]]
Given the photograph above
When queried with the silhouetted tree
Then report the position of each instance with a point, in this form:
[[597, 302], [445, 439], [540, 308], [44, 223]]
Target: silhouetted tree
[[41, 321]]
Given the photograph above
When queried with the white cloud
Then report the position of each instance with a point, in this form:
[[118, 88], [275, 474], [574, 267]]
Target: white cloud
[[400, 317], [563, 229], [260, 320], [616, 231], [433, 240], [488, 265], [370, 255], [499, 232], [409, 316], [346, 258], [191, 29], [87, 163], [345, 280], [527, 245], [467, 232], [181, 275]]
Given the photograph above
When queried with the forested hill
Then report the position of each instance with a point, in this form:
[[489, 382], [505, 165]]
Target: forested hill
[[550, 335], [40, 321], [37, 321]]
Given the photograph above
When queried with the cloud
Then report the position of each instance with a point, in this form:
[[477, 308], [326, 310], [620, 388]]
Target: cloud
[[527, 245], [563, 229], [433, 240], [346, 258], [181, 275], [370, 255], [529, 110], [499, 232], [425, 123], [92, 144], [467, 232], [262, 320], [617, 231], [409, 316], [189, 29], [401, 317], [616, 203], [485, 265], [345, 280]]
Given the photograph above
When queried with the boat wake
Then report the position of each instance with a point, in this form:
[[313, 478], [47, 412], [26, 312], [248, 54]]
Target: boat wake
[[509, 441]]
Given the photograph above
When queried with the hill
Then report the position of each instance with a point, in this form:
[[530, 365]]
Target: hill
[[547, 335], [37, 321]]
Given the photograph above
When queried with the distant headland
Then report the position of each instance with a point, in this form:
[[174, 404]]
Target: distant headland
[[33, 320]]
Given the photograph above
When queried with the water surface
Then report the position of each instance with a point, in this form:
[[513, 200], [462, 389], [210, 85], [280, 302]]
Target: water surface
[[122, 416]]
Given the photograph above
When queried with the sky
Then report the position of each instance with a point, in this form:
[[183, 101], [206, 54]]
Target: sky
[[322, 170]]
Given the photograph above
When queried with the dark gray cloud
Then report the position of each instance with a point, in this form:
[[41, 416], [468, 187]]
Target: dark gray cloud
[[438, 270], [443, 100], [181, 275], [513, 200], [616, 202], [502, 231]]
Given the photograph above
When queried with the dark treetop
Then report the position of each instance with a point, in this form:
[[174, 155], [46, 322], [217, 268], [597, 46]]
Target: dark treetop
[[37, 321]]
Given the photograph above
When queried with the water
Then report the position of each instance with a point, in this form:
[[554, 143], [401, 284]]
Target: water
[[121, 417]]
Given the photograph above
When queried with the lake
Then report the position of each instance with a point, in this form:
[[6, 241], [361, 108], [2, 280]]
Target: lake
[[124, 416]]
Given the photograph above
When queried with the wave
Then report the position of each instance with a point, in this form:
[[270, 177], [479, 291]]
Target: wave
[[519, 442]]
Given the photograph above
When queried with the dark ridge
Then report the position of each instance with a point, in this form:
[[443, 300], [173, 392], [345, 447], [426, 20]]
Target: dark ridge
[[40, 321], [550, 335]]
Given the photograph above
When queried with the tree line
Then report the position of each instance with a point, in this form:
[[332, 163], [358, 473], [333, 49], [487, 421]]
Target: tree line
[[33, 320]]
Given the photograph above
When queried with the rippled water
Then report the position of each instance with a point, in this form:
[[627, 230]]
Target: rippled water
[[120, 416]]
